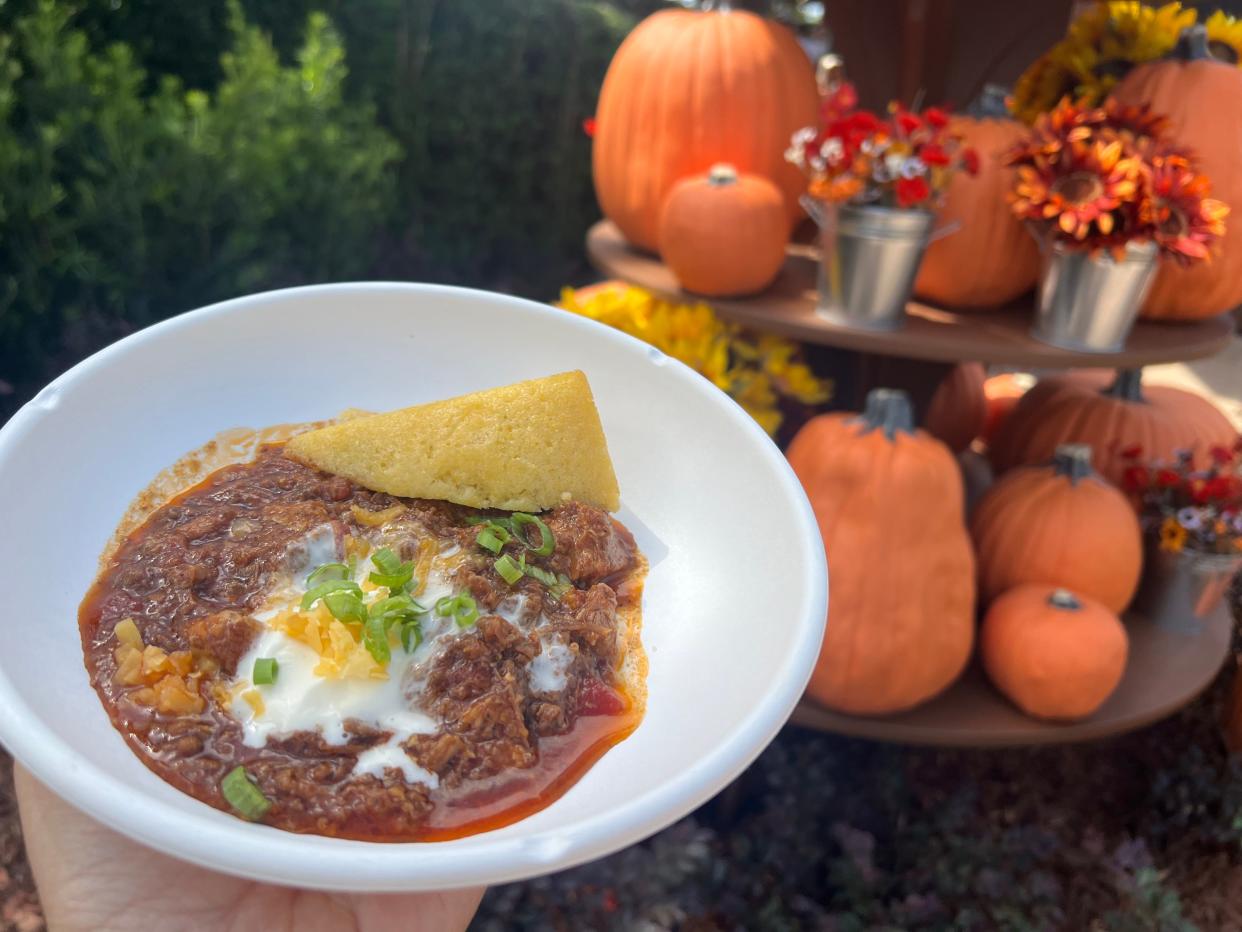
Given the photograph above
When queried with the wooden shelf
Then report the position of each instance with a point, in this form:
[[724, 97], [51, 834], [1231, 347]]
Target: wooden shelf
[[1166, 670], [931, 333]]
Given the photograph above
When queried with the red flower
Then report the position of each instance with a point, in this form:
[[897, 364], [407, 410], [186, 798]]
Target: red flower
[[588, 127], [1132, 452], [911, 191], [609, 901], [1221, 456], [864, 121], [906, 121], [1135, 478], [1220, 488], [1167, 478], [970, 161], [934, 154], [936, 117]]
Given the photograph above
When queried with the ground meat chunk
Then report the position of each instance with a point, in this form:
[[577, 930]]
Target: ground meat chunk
[[226, 636], [477, 688], [589, 618], [589, 544]]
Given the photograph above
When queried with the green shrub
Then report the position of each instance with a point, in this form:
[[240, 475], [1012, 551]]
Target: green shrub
[[119, 207]]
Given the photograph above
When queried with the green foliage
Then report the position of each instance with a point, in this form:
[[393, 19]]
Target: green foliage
[[119, 207]]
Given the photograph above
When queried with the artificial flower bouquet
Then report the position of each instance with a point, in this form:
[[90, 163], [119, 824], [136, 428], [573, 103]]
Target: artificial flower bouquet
[[1100, 177], [855, 156], [1189, 509]]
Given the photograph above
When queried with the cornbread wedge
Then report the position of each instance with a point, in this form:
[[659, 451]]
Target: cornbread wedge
[[527, 447]]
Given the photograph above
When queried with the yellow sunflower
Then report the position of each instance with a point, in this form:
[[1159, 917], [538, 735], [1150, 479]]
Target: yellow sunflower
[[1224, 35], [1098, 50], [757, 371]]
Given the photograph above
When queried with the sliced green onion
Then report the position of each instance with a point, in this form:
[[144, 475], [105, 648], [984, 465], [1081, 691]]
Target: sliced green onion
[[563, 585], [508, 569], [493, 537], [326, 572], [395, 581], [386, 561], [375, 639], [544, 576], [466, 612], [244, 795], [411, 636], [324, 589], [265, 669], [345, 606], [461, 607], [547, 543], [392, 572]]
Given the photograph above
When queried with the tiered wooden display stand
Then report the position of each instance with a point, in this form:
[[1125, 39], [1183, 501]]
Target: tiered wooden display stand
[[1166, 669]]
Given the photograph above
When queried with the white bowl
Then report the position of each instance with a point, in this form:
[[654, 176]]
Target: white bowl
[[733, 611]]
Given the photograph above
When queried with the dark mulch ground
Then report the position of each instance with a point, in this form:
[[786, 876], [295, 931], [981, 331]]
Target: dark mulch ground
[[1138, 834]]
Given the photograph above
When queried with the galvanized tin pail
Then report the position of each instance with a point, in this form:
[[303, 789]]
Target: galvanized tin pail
[[869, 259], [1089, 303], [1180, 588]]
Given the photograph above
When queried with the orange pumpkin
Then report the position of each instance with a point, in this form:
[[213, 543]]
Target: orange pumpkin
[[1158, 419], [1202, 98], [1061, 525], [723, 233], [1057, 655], [687, 89], [958, 409], [888, 499], [991, 259], [1001, 395]]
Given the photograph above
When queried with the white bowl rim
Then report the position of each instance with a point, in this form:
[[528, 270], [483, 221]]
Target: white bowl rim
[[262, 853]]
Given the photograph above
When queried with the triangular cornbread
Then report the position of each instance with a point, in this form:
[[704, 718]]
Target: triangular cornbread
[[522, 447]]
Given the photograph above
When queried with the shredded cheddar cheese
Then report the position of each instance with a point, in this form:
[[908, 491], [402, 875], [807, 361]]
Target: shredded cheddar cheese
[[339, 646]]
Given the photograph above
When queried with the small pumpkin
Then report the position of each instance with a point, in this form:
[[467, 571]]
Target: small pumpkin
[[888, 500], [1202, 97], [1062, 525], [991, 259], [689, 88], [1055, 654], [958, 409], [723, 233], [1001, 394], [1159, 420]]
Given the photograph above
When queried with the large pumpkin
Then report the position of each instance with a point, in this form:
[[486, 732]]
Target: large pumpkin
[[1159, 420], [724, 234], [991, 259], [1058, 524], [1055, 654], [1202, 97], [888, 499], [958, 408], [687, 89]]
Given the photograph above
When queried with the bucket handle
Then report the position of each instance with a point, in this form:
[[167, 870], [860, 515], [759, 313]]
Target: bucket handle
[[826, 219]]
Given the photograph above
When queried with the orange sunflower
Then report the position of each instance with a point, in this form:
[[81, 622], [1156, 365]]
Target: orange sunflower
[[1081, 189], [1184, 219]]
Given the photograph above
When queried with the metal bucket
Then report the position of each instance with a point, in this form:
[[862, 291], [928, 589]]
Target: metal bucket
[[1180, 589], [1089, 303], [869, 259]]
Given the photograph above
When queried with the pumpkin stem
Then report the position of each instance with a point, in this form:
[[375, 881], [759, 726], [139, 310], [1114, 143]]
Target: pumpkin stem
[[1192, 45], [889, 410], [1127, 386], [721, 174], [990, 104], [1064, 599], [1072, 460]]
